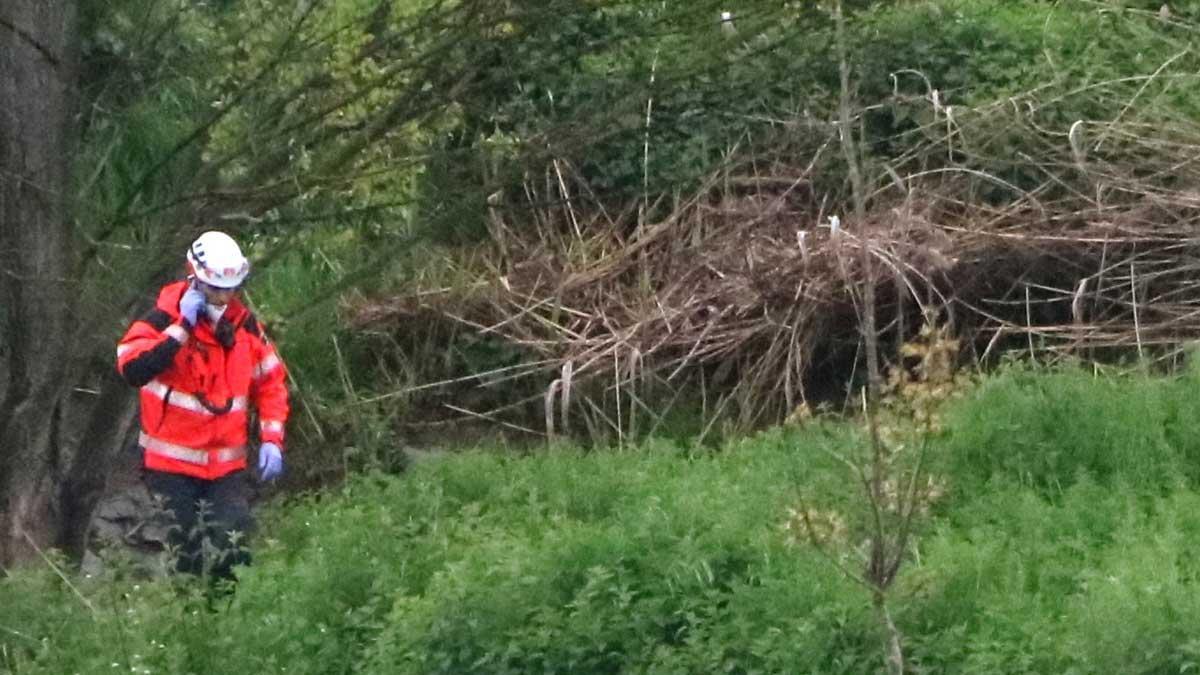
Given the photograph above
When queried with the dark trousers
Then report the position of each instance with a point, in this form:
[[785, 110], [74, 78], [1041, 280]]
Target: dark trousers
[[209, 521]]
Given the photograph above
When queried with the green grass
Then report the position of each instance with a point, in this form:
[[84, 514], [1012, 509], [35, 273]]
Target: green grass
[[1067, 542]]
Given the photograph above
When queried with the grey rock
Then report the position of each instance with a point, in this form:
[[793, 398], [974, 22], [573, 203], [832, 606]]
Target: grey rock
[[92, 565]]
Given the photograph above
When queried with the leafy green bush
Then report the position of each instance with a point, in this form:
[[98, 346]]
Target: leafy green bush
[[1099, 581], [1048, 431], [588, 75], [1067, 542], [485, 563]]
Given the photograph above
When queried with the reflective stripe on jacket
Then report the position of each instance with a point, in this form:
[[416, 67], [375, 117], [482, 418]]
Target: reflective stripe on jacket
[[197, 387]]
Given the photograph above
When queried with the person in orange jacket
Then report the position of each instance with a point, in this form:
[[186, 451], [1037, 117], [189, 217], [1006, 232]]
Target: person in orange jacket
[[202, 363]]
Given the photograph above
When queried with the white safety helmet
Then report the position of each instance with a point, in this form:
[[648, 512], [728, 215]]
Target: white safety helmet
[[216, 260]]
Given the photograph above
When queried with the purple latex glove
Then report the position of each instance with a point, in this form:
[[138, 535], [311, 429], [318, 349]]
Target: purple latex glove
[[191, 304], [270, 462]]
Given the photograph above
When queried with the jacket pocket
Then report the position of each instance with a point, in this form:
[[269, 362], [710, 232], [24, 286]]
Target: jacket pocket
[[153, 410], [165, 405]]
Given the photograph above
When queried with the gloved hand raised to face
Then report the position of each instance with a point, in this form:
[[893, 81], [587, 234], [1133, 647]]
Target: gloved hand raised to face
[[270, 462], [191, 304]]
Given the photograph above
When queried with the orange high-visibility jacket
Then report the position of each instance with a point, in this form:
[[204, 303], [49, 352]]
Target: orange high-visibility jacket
[[197, 386]]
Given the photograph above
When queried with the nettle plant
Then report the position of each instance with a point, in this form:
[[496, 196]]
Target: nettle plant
[[872, 535]]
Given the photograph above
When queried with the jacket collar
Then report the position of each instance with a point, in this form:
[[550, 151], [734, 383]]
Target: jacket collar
[[168, 302]]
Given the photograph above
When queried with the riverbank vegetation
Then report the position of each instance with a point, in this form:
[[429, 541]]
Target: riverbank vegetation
[[727, 339], [1060, 537]]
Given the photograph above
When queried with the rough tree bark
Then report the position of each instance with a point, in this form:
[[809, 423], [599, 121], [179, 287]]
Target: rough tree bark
[[37, 89]]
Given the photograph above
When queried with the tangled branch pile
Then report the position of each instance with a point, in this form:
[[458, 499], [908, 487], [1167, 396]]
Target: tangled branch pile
[[1017, 223]]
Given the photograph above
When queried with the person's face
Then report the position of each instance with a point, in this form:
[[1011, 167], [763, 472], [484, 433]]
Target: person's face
[[217, 296]]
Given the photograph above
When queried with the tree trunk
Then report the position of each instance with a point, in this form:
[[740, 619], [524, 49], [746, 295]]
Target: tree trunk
[[37, 90], [100, 442]]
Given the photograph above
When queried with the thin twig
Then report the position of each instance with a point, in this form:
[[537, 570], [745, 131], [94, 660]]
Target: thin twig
[[1137, 326]]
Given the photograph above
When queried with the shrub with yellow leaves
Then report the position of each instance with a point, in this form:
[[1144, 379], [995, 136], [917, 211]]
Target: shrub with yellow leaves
[[811, 526], [892, 472], [926, 379]]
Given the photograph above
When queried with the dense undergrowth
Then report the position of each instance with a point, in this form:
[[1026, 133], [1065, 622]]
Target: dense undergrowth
[[952, 94], [1065, 541]]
